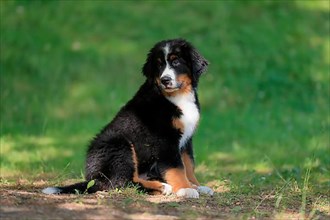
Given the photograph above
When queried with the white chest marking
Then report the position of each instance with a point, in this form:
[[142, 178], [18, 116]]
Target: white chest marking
[[189, 117]]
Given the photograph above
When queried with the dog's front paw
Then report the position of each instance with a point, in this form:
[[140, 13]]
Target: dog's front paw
[[187, 193], [167, 189], [205, 190]]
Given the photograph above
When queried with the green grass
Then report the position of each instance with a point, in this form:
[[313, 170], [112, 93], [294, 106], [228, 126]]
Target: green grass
[[68, 67]]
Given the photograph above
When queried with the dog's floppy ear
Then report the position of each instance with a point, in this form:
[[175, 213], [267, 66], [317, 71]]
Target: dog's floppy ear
[[198, 62], [147, 67]]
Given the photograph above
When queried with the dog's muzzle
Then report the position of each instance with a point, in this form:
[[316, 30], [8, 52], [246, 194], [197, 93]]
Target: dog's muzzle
[[166, 81], [169, 85]]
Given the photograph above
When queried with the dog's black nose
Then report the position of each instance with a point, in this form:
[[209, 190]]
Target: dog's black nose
[[165, 80]]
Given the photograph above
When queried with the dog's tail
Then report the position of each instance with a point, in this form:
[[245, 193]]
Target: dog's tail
[[80, 188]]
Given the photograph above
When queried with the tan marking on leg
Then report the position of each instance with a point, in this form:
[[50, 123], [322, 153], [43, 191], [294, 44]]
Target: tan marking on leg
[[154, 185], [177, 123], [189, 167], [177, 178]]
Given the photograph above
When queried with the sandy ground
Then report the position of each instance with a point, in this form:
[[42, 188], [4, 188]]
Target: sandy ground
[[31, 204], [24, 201]]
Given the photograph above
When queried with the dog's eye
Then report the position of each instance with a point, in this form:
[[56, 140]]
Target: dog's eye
[[175, 62]]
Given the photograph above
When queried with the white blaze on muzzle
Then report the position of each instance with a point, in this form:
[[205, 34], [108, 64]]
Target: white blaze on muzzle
[[168, 72]]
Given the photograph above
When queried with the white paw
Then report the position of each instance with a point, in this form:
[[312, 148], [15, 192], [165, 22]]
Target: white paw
[[205, 190], [187, 193], [167, 189]]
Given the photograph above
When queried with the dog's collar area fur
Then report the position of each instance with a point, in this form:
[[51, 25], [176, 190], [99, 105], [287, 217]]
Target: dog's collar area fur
[[190, 115]]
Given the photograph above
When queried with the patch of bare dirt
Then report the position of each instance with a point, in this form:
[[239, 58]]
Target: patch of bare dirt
[[24, 200], [32, 204]]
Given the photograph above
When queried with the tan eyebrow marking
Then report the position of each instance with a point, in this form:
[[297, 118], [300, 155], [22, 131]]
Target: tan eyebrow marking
[[173, 57]]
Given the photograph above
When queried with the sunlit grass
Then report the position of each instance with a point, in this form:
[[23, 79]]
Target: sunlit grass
[[322, 5], [31, 155]]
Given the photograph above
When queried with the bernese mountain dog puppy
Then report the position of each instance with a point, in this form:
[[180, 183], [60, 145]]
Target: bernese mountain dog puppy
[[149, 142]]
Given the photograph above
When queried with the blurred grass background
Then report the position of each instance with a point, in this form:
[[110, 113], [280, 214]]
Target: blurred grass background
[[68, 66]]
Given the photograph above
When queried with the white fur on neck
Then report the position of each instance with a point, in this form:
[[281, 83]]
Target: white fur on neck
[[190, 114]]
